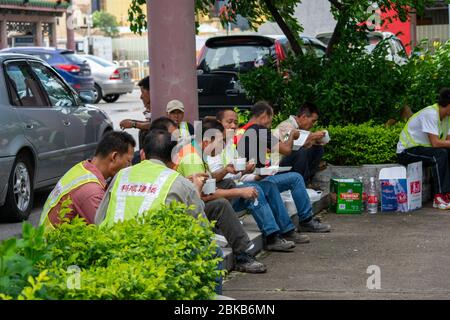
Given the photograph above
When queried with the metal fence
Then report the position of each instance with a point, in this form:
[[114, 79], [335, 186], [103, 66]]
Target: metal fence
[[432, 33]]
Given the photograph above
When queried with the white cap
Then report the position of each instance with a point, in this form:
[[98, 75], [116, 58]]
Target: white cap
[[175, 105]]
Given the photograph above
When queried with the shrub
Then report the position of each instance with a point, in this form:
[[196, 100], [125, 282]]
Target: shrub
[[165, 254], [362, 144], [350, 87], [427, 73]]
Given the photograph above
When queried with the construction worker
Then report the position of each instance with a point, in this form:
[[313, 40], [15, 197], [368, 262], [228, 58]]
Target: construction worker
[[175, 112], [426, 138], [85, 184]]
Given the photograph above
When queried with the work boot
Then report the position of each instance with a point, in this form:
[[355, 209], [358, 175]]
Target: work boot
[[296, 237], [277, 243], [314, 226], [248, 264]]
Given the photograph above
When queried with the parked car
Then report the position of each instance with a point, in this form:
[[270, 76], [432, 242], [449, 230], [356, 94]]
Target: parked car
[[74, 70], [396, 49], [45, 129], [222, 59], [111, 81]]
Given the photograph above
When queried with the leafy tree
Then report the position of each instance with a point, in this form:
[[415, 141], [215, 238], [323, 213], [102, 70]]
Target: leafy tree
[[348, 13], [106, 22]]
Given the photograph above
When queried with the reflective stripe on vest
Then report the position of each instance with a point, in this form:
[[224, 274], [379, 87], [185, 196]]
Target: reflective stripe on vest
[[184, 130], [74, 178], [137, 190], [408, 141]]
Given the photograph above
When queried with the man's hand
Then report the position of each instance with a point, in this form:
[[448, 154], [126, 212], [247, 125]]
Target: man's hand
[[198, 180], [314, 138], [231, 169], [295, 134], [251, 165], [126, 124], [249, 193]]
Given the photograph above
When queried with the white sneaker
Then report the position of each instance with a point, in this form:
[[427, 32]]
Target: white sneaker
[[440, 202]]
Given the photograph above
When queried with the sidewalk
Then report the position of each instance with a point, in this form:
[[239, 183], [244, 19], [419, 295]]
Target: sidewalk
[[412, 251]]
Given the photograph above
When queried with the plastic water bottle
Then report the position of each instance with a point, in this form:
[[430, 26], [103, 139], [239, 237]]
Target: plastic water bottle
[[372, 201], [402, 196]]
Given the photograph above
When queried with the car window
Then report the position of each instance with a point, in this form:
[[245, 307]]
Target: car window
[[319, 51], [23, 87], [100, 61], [74, 58], [59, 94], [235, 58]]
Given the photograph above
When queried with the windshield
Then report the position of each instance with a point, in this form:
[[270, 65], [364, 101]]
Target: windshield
[[235, 58]]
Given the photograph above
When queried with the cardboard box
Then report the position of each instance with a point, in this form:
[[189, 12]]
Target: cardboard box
[[401, 188], [346, 196]]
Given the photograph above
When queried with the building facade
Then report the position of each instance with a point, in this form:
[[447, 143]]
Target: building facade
[[30, 23]]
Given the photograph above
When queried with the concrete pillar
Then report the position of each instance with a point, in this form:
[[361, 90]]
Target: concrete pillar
[[70, 30], [3, 35], [172, 56], [38, 34], [53, 36]]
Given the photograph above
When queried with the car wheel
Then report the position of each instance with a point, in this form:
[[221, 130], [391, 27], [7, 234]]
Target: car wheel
[[111, 98], [20, 195], [97, 94]]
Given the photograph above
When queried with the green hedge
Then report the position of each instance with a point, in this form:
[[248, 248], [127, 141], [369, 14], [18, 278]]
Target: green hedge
[[362, 144], [165, 254]]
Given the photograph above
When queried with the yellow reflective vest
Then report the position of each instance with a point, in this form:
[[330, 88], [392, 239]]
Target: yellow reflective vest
[[74, 178], [137, 190], [408, 141]]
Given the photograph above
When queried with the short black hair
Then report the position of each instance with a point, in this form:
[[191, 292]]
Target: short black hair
[[444, 97], [308, 109], [114, 141], [260, 108], [162, 123], [145, 83], [158, 144], [211, 124], [221, 114]]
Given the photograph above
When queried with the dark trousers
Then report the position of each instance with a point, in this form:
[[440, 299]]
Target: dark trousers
[[437, 158], [304, 161], [228, 224]]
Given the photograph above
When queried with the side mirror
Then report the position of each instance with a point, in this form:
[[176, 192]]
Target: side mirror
[[200, 72], [87, 96]]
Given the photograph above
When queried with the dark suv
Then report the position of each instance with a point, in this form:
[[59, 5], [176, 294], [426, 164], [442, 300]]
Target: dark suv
[[222, 59]]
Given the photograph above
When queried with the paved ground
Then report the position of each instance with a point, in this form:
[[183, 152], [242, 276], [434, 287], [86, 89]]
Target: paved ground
[[412, 251]]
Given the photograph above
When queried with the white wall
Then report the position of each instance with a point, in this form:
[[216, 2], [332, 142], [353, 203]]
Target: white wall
[[314, 15]]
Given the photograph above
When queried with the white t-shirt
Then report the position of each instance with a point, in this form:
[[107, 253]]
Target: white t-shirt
[[427, 122], [217, 163]]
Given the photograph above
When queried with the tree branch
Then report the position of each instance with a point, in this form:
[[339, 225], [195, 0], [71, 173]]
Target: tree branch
[[293, 40], [336, 4]]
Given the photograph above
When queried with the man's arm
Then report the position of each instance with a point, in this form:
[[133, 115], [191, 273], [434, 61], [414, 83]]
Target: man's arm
[[246, 193], [285, 147], [100, 215], [141, 125], [184, 191], [438, 143]]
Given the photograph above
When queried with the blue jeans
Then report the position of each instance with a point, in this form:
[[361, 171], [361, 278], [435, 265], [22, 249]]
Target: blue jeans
[[294, 182], [220, 266], [270, 213]]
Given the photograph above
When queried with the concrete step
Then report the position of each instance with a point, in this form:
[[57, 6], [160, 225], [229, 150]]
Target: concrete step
[[256, 236]]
